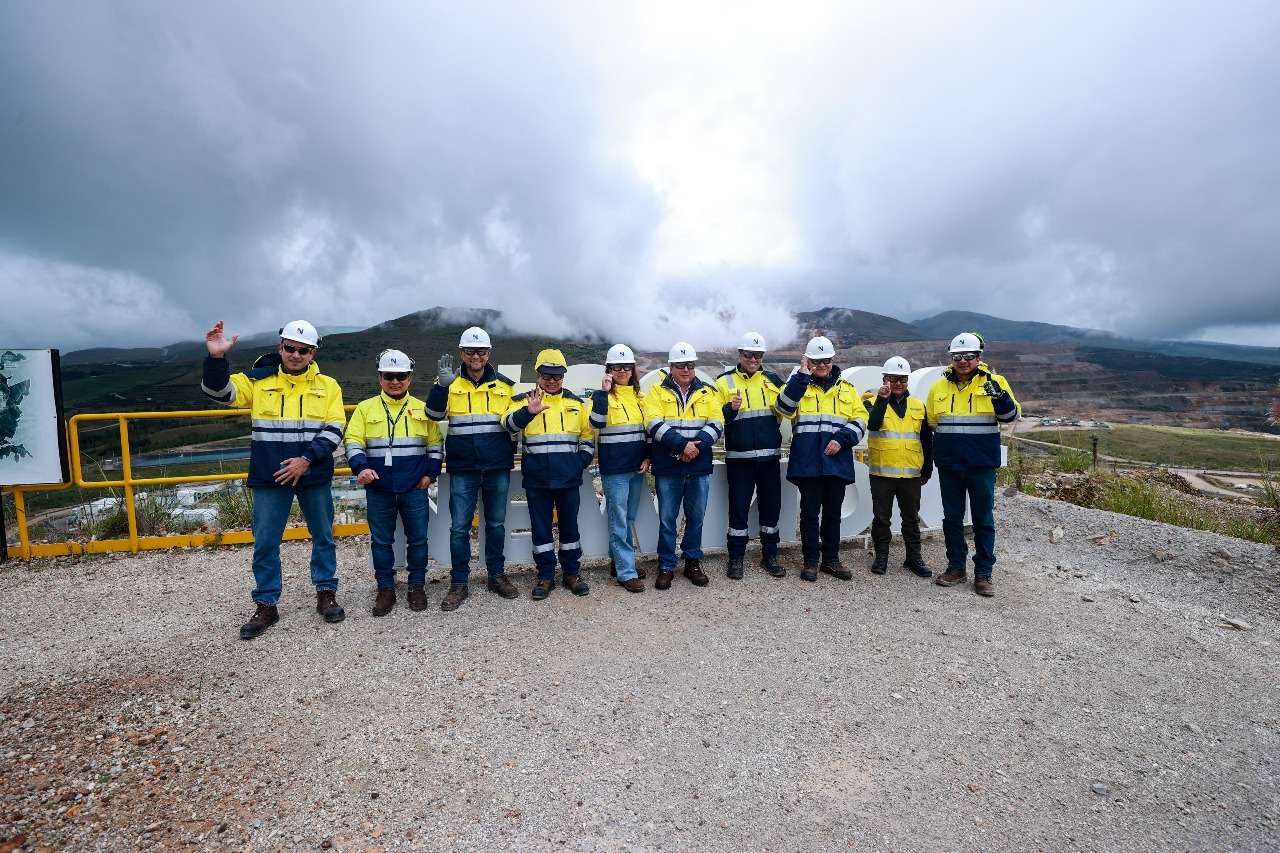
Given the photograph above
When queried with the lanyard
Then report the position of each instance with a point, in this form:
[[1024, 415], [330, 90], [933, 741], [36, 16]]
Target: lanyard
[[391, 430]]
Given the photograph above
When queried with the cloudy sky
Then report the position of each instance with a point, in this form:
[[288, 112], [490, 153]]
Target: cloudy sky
[[646, 171]]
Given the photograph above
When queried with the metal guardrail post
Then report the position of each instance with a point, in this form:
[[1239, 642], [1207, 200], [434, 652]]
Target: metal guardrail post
[[20, 510], [127, 468]]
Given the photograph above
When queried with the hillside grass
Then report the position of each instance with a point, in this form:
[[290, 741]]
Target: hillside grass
[[1176, 446]]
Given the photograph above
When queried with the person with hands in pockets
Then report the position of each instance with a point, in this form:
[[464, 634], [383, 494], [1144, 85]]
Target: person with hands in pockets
[[395, 451], [557, 444], [828, 419], [481, 457], [297, 418], [616, 413], [684, 421], [966, 407]]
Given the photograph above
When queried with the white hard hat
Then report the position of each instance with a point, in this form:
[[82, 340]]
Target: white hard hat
[[819, 347], [475, 337], [897, 366], [966, 342], [752, 342], [620, 354], [394, 361], [300, 331], [682, 351]]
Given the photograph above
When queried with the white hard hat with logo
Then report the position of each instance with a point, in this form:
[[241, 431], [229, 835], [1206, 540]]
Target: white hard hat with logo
[[897, 366], [620, 354], [752, 342], [394, 361], [819, 347], [682, 352], [966, 342], [474, 337], [300, 331]]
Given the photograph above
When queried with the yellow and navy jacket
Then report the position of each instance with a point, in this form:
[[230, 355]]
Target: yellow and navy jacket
[[966, 420], [822, 410], [752, 432], [672, 420], [397, 440], [899, 438], [476, 440], [292, 415], [619, 418], [556, 444]]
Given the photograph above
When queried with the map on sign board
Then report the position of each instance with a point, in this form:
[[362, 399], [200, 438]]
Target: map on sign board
[[31, 440]]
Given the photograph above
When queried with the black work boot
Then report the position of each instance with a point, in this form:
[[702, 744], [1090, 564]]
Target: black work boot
[[917, 567], [734, 571], [880, 564], [417, 597], [453, 599], [836, 569], [575, 584], [771, 565], [328, 607], [263, 618], [502, 586], [810, 571], [385, 601], [693, 571]]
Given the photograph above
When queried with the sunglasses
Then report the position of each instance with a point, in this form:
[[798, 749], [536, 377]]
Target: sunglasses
[[682, 365], [297, 350], [964, 356], [395, 377], [819, 362], [754, 356], [615, 368], [896, 380], [551, 377], [474, 351]]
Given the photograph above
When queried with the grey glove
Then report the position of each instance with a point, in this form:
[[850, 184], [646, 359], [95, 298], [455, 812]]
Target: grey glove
[[446, 375]]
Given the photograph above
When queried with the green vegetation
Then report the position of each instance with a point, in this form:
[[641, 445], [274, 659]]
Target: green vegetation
[[1146, 500], [1177, 446]]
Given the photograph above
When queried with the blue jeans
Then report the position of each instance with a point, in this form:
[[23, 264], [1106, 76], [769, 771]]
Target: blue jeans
[[564, 504], [465, 489], [383, 507], [691, 490], [622, 493], [271, 505], [979, 486]]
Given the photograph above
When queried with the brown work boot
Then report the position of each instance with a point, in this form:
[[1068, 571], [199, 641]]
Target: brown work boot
[[983, 587], [385, 600], [836, 569], [502, 586], [950, 577], [328, 607], [809, 572], [263, 618], [453, 599], [575, 584], [664, 579], [417, 597], [633, 585], [693, 571]]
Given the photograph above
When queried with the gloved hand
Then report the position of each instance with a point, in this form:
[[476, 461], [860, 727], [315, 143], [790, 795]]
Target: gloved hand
[[992, 389], [446, 375]]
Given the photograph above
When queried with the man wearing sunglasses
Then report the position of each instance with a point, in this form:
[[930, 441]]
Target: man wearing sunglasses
[[395, 451], [966, 407], [683, 418], [297, 419], [481, 456], [900, 462], [753, 453]]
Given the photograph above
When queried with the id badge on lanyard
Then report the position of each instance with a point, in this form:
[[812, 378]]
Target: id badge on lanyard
[[387, 457]]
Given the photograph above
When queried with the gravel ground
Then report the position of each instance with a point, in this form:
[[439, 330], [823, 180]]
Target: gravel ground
[[1099, 702]]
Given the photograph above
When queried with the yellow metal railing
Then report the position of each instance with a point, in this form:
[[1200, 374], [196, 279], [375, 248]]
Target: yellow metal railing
[[128, 483]]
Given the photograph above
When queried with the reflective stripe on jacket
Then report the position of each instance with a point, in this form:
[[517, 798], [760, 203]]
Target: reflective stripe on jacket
[[292, 415], [402, 459], [673, 422], [752, 432], [621, 438], [556, 444], [966, 421], [476, 440], [820, 413], [894, 449]]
